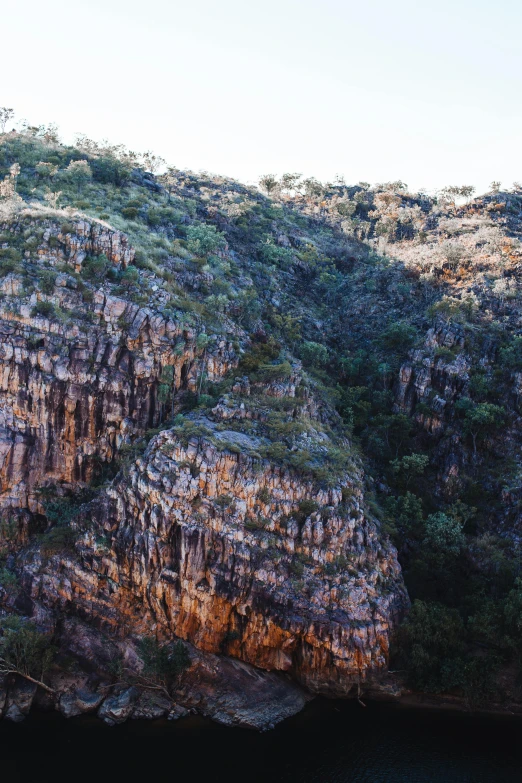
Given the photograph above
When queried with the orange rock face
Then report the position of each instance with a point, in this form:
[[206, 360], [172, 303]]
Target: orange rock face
[[178, 548]]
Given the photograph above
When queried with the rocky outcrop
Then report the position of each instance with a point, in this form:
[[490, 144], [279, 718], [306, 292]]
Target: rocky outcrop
[[77, 381], [71, 241], [211, 546], [68, 400], [436, 375], [201, 537], [230, 692]]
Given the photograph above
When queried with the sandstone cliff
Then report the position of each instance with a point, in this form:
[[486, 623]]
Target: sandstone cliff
[[221, 412], [72, 392], [190, 549], [203, 537]]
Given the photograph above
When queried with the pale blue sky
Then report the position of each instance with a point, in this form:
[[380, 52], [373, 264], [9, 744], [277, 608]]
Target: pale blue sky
[[425, 92]]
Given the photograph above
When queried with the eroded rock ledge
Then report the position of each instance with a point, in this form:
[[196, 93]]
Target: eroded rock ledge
[[212, 547], [230, 692]]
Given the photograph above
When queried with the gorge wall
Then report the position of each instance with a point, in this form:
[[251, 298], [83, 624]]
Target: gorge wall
[[199, 537]]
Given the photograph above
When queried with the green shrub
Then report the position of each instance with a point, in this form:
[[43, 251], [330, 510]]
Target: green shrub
[[446, 354], [23, 648], [187, 430], [129, 277], [264, 495], [58, 539], [95, 268], [10, 261], [204, 239], [46, 309], [405, 514], [274, 372], [47, 281], [274, 255], [409, 467], [130, 213], [443, 535], [510, 356], [277, 451], [164, 663], [305, 508], [296, 568], [8, 578], [482, 420], [313, 354], [398, 337], [431, 635], [110, 170]]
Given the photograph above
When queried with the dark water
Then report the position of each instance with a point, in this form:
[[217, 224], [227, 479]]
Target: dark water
[[328, 743]]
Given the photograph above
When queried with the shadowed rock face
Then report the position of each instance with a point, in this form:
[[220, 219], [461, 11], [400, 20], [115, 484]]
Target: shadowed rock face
[[315, 596]]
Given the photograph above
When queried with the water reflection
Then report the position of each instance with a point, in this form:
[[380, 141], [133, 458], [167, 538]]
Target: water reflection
[[328, 743]]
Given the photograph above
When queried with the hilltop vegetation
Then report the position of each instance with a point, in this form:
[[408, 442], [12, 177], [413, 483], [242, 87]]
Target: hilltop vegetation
[[401, 312]]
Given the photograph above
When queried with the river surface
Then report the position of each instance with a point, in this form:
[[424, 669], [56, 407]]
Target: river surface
[[330, 742]]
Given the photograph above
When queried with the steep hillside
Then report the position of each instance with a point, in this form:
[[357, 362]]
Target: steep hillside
[[222, 415]]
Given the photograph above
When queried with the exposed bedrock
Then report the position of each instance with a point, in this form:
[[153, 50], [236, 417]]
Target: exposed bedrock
[[183, 545]]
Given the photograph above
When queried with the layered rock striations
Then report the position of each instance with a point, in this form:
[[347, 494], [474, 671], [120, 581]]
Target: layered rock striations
[[72, 392], [221, 549], [204, 537]]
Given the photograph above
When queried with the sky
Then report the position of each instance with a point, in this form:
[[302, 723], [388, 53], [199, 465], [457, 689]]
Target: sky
[[429, 93]]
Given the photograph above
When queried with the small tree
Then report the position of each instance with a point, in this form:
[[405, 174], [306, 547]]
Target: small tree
[[481, 420], [8, 184], [151, 162], [290, 181], [314, 354], [166, 380], [163, 663], [78, 173], [312, 187], [269, 184], [405, 512], [5, 115], [24, 650], [204, 239], [443, 535], [52, 198], [452, 192], [169, 180], [46, 170], [398, 337], [466, 191], [430, 635], [513, 612], [408, 467]]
